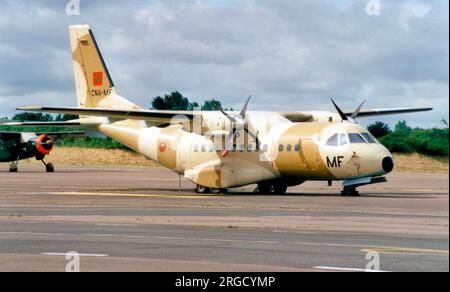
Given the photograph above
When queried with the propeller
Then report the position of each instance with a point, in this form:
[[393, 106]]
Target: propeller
[[353, 116], [237, 122]]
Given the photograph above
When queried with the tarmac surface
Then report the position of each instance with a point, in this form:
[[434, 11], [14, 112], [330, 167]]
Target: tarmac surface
[[136, 219]]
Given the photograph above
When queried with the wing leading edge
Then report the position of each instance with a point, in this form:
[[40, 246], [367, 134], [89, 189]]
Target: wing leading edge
[[165, 116], [389, 111]]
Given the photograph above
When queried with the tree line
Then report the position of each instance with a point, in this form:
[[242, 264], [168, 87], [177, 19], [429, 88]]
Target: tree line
[[404, 139]]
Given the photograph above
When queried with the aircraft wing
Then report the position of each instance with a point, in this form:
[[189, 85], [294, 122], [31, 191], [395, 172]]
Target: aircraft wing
[[156, 116], [388, 111], [165, 116]]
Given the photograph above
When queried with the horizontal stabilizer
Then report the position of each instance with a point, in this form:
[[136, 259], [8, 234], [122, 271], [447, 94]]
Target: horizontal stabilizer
[[156, 116], [42, 124]]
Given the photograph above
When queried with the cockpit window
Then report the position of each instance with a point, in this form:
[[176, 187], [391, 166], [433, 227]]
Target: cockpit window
[[338, 140], [371, 139], [356, 138], [333, 140], [343, 139]]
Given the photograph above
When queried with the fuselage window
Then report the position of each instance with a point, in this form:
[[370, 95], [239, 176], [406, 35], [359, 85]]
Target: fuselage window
[[195, 148], [289, 148], [242, 148], [343, 139], [203, 148], [265, 148], [250, 148], [371, 139], [333, 140], [356, 138], [297, 147], [281, 148]]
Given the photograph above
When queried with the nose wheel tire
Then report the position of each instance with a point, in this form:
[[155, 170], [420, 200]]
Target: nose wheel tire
[[49, 167], [350, 192]]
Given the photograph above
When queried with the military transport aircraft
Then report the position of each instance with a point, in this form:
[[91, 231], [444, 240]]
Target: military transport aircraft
[[19, 146], [220, 150]]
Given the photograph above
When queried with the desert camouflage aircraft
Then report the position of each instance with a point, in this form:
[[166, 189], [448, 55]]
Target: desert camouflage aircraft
[[220, 150]]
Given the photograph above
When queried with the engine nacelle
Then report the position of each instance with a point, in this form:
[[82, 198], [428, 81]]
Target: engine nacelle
[[44, 144]]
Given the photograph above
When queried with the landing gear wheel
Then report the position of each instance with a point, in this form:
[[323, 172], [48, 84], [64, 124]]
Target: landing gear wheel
[[350, 192], [279, 188], [264, 188], [13, 166], [202, 190], [49, 167], [216, 191]]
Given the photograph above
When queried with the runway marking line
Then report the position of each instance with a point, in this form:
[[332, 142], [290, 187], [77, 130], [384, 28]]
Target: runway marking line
[[126, 195], [383, 249], [401, 250], [347, 269], [80, 254]]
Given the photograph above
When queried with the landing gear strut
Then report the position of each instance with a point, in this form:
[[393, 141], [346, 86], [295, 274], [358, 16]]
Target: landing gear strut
[[49, 167], [13, 167], [350, 192]]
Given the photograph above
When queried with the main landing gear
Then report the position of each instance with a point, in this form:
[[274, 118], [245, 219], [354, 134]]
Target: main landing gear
[[271, 187], [199, 189]]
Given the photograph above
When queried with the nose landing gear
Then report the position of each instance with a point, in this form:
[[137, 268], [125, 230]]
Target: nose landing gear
[[350, 192], [49, 167]]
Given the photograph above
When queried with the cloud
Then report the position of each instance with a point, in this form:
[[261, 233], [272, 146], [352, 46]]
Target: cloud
[[289, 54]]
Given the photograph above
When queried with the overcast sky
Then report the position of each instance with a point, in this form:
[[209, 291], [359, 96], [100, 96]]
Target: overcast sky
[[291, 55]]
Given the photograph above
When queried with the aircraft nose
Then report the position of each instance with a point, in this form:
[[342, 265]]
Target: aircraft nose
[[388, 164]]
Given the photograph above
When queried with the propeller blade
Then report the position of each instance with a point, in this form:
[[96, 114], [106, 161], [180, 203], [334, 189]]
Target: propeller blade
[[356, 112], [244, 109], [230, 144], [341, 113], [233, 120], [250, 133]]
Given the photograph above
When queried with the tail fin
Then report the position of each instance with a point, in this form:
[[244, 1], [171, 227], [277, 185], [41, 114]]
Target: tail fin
[[94, 86]]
